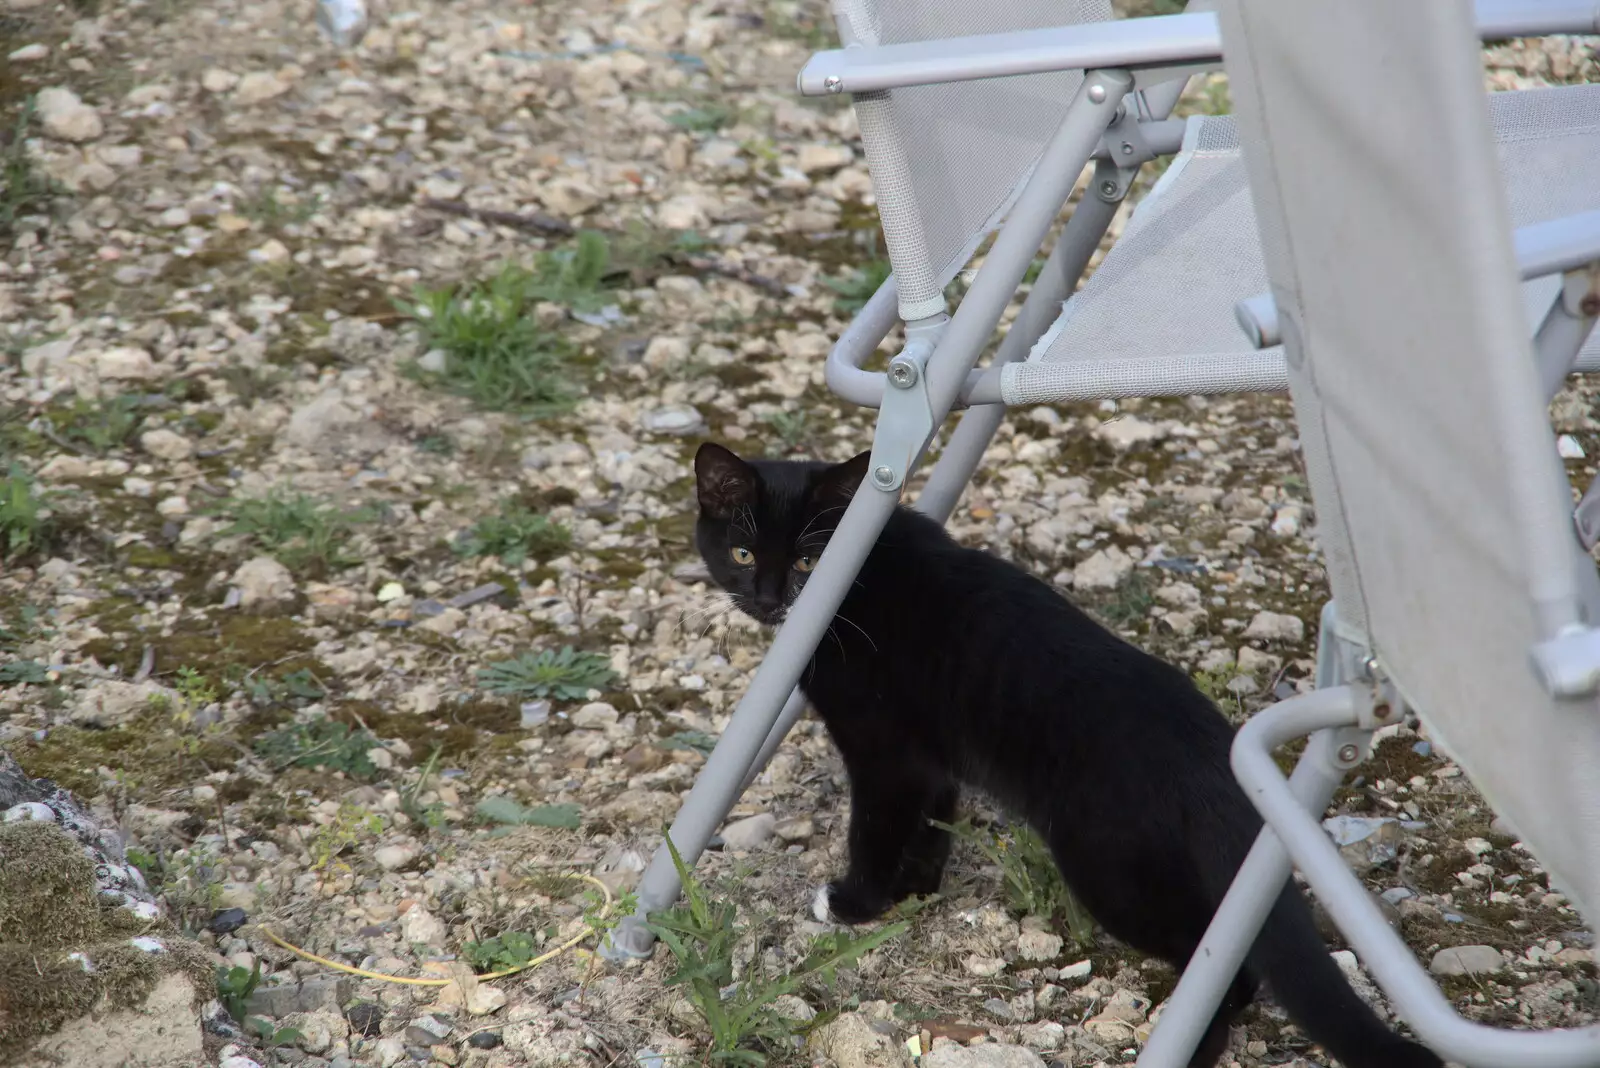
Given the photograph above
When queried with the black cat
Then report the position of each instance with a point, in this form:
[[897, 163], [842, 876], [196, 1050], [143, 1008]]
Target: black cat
[[947, 666]]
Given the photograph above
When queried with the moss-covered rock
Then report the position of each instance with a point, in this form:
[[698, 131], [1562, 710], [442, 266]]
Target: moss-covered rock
[[81, 974]]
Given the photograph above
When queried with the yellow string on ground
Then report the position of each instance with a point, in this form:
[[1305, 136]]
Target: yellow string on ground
[[340, 966]]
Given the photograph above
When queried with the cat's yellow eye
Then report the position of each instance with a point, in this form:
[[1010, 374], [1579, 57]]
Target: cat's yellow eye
[[804, 564], [741, 556]]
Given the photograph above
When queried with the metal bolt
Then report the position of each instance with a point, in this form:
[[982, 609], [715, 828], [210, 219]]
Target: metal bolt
[[1369, 666], [1108, 188], [1127, 148], [1348, 754], [833, 83], [902, 373], [883, 476], [1097, 94]]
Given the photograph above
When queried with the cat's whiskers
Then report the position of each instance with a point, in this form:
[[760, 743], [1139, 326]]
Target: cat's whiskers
[[813, 521], [842, 618]]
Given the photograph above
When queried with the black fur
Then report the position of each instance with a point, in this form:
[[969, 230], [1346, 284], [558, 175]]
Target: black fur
[[946, 666]]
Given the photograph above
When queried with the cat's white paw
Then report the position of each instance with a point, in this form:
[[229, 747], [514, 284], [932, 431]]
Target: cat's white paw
[[819, 904]]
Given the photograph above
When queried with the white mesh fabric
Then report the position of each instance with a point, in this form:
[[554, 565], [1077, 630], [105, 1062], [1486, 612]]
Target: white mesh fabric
[[1392, 267], [1191, 250], [947, 161]]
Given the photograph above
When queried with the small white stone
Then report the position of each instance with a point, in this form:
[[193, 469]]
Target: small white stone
[[750, 832], [596, 716], [1466, 960], [263, 581], [1276, 627], [166, 444], [1569, 448], [29, 53], [125, 363], [65, 117], [393, 857], [258, 86], [984, 967], [1103, 570]]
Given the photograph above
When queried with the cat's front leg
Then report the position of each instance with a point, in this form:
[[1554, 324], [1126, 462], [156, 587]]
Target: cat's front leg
[[892, 854]]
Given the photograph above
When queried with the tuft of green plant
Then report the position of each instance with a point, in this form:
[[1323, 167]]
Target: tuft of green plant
[[745, 1026], [271, 1037], [857, 287], [1032, 883], [792, 428], [24, 515], [98, 426], [1130, 602], [349, 825], [23, 672], [494, 353], [514, 533], [513, 949], [303, 533], [706, 119], [319, 743], [27, 626], [566, 675], [297, 688], [508, 812], [24, 190], [268, 210], [427, 816], [234, 987]]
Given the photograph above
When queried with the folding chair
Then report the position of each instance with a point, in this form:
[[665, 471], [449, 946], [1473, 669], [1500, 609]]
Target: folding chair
[[963, 133]]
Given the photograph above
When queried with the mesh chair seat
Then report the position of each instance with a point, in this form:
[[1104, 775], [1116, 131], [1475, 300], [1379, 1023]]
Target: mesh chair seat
[[1157, 317]]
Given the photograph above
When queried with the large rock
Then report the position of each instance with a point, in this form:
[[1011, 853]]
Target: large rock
[[1467, 960], [82, 983], [262, 582], [852, 1041], [65, 117]]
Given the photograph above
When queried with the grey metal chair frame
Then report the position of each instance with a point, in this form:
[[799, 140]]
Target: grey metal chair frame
[[1135, 71]]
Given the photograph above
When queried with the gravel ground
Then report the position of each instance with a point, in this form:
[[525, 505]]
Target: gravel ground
[[282, 529]]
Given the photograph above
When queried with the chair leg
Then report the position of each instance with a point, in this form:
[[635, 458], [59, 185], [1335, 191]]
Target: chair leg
[[1239, 918], [718, 786]]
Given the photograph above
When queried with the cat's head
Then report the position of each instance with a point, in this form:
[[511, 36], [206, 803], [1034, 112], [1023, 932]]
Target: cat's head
[[764, 523]]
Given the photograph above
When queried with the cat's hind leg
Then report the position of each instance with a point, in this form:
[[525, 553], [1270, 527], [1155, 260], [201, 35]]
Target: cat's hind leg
[[922, 866]]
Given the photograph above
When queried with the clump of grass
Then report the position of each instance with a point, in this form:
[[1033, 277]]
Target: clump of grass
[[1130, 601], [792, 428], [303, 533], [706, 119], [1032, 884], [857, 287], [745, 1025], [494, 353], [514, 534], [98, 427], [24, 191], [24, 515], [319, 743], [566, 675], [266, 209]]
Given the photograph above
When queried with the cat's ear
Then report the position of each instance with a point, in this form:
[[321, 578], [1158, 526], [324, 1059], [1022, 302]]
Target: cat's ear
[[722, 481], [839, 483]]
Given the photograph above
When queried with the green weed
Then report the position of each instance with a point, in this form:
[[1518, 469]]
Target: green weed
[[302, 533], [428, 816], [514, 534], [234, 987], [319, 743], [1130, 602], [23, 672], [857, 287], [508, 812], [707, 119], [566, 675], [99, 426], [494, 353], [348, 826], [745, 1026], [1032, 884], [24, 190], [513, 949], [266, 209], [792, 428], [25, 525]]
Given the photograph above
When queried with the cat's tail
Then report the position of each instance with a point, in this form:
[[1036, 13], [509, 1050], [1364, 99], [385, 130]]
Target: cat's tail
[[1292, 958]]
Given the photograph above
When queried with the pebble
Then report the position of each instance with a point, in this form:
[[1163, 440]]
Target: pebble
[[1466, 960], [65, 117], [427, 1031], [1276, 627], [166, 444], [750, 832], [1103, 570], [677, 419], [125, 364], [29, 53], [263, 581], [393, 857], [259, 86]]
